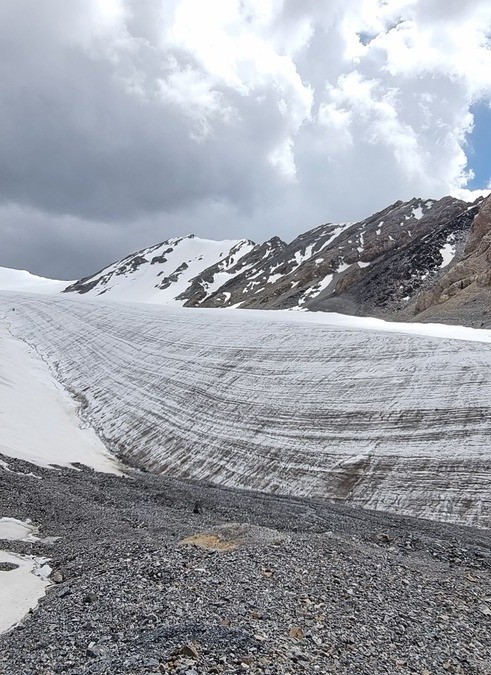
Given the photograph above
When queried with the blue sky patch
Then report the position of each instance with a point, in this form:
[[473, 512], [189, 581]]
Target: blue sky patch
[[479, 147]]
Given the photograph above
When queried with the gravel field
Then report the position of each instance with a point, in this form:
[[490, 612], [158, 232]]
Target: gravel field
[[264, 584]]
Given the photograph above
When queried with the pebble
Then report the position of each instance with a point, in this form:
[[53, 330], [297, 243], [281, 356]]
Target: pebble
[[332, 597]]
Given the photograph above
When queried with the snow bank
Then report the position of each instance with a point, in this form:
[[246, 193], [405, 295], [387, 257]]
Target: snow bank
[[20, 588], [21, 280], [23, 584], [38, 419], [17, 530]]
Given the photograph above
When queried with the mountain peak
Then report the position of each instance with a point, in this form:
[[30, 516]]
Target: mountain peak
[[163, 272]]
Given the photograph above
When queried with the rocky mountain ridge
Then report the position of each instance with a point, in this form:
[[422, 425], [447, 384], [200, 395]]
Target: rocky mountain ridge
[[415, 260]]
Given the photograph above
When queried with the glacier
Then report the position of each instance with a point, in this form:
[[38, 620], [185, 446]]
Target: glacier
[[306, 404]]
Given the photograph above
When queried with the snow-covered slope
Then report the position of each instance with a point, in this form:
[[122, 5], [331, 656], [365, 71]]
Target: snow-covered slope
[[21, 280], [306, 404], [162, 273], [38, 419]]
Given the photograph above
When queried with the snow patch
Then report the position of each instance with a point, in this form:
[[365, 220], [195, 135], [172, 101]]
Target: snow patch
[[316, 289], [300, 257], [223, 276], [5, 466], [448, 254], [20, 588], [17, 530], [274, 278], [155, 281]]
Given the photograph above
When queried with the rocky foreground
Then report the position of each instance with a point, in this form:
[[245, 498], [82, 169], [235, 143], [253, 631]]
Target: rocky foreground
[[159, 575]]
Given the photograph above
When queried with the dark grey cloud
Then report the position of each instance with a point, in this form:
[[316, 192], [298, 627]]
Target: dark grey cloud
[[62, 247], [76, 141]]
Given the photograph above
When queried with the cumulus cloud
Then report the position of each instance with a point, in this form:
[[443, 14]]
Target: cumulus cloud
[[123, 122]]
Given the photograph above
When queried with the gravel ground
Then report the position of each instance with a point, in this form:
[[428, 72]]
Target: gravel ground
[[285, 586]]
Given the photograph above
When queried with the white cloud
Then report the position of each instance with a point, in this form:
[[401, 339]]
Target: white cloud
[[470, 195]]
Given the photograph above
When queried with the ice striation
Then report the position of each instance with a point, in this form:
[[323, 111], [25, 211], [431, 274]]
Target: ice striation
[[284, 402]]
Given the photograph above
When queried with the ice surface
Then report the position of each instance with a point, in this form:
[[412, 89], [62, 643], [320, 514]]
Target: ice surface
[[279, 400]]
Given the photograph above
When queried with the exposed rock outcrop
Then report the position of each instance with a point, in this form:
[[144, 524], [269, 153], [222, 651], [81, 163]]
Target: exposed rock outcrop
[[473, 272]]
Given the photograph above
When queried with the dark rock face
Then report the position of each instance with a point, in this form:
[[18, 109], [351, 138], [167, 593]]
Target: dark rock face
[[172, 278], [124, 267], [391, 285], [161, 258], [198, 291], [231, 292], [159, 274], [470, 277], [405, 262], [376, 265]]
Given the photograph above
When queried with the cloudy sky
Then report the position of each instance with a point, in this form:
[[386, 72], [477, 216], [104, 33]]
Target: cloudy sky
[[125, 122]]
